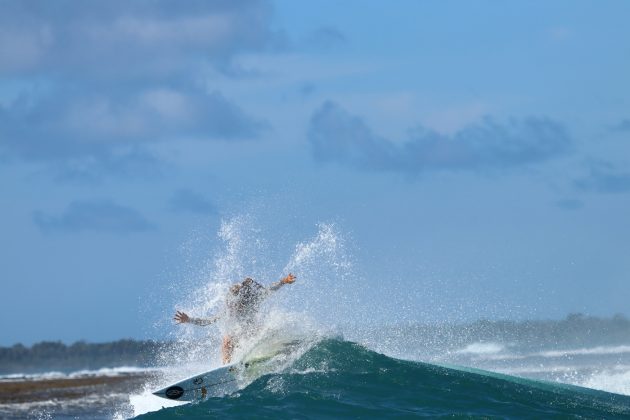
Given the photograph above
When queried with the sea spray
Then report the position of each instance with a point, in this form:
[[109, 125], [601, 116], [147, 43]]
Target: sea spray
[[321, 265], [615, 379], [330, 299], [326, 289]]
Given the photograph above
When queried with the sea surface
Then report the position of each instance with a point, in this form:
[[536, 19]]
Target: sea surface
[[335, 378], [574, 368]]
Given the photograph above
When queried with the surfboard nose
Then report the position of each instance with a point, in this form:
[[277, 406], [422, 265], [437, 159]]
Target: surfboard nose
[[174, 392]]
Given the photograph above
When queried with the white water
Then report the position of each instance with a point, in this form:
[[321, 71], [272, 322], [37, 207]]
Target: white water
[[328, 293], [616, 379], [108, 372], [482, 349], [321, 266]]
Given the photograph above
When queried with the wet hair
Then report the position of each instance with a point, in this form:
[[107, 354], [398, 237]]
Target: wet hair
[[247, 286], [236, 288]]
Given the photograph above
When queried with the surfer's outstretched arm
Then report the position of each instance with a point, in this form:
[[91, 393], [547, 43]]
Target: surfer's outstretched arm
[[287, 280], [183, 318]]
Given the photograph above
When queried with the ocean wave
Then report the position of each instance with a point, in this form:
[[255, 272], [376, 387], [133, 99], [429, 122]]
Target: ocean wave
[[598, 350], [482, 348], [614, 380], [336, 378], [109, 372], [494, 351]]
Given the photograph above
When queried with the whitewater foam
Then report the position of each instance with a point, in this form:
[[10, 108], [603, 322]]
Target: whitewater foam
[[615, 380], [106, 372], [599, 350], [482, 348], [324, 294], [319, 263]]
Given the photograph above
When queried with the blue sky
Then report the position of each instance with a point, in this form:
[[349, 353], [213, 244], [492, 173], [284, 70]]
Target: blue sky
[[474, 155]]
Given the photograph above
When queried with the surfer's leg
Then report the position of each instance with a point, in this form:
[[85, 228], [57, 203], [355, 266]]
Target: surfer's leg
[[227, 348]]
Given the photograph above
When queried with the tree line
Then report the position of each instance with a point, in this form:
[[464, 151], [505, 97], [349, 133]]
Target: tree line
[[575, 330], [56, 356]]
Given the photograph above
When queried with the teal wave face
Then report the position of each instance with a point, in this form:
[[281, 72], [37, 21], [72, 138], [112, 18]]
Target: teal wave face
[[341, 379]]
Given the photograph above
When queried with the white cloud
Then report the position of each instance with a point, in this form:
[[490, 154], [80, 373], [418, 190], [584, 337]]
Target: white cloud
[[335, 135]]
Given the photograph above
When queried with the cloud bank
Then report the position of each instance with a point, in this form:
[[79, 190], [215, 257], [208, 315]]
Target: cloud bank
[[93, 78], [66, 125], [337, 136], [144, 39]]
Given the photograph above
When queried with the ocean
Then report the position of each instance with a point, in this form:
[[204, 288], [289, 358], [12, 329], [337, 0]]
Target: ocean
[[331, 377], [364, 367], [340, 379]]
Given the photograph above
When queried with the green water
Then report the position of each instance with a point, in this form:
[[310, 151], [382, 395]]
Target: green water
[[338, 379]]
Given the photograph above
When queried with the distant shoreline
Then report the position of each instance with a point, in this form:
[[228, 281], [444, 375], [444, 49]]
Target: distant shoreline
[[50, 356], [574, 330]]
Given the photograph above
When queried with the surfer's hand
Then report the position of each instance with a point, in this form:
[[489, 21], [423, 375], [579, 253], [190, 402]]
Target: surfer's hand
[[181, 317], [288, 279]]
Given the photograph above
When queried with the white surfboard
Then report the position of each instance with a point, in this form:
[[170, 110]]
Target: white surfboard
[[214, 383], [225, 379]]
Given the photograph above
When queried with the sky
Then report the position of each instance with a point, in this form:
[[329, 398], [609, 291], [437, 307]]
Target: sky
[[474, 156]]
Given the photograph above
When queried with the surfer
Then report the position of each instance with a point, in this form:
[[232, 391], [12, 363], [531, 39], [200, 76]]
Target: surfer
[[242, 304]]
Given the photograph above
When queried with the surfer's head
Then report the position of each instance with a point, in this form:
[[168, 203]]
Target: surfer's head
[[243, 286], [235, 289]]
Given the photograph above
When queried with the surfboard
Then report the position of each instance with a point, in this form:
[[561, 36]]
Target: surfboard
[[225, 379], [214, 383]]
